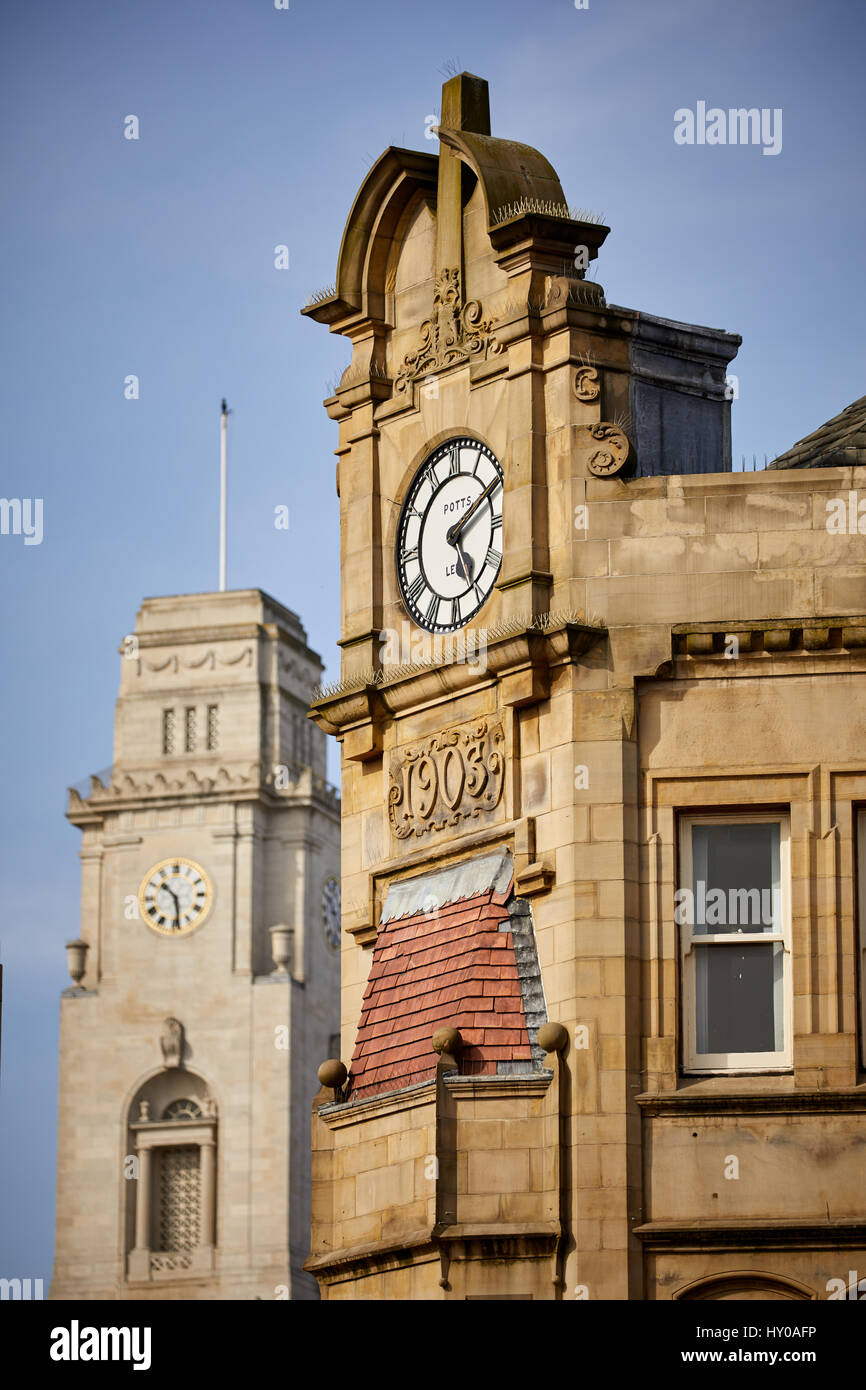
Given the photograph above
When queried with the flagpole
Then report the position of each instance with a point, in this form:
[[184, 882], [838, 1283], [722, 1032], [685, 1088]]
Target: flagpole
[[224, 416]]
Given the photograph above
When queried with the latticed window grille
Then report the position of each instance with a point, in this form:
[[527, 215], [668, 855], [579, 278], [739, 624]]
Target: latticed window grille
[[212, 729], [189, 730], [168, 731], [179, 1200], [182, 1110]]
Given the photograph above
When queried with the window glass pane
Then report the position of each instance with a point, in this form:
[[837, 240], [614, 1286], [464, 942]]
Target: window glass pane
[[736, 882], [739, 998]]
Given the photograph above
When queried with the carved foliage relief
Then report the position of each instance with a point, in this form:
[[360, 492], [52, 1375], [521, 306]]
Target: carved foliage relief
[[449, 778], [455, 332]]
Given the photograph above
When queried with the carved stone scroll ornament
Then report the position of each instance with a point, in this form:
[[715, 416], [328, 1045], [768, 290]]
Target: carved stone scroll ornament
[[607, 450], [586, 384], [451, 777], [454, 333]]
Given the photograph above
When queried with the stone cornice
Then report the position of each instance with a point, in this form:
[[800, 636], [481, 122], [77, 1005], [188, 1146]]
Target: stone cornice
[[351, 1112], [154, 788], [780, 647], [376, 1257], [771, 636], [523, 650], [751, 1233], [501, 1087], [458, 1241], [795, 1102]]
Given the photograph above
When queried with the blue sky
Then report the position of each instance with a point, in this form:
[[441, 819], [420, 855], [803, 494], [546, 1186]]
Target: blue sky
[[156, 257]]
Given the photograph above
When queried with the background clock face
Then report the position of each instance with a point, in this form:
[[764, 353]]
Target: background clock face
[[175, 896], [449, 541], [331, 913]]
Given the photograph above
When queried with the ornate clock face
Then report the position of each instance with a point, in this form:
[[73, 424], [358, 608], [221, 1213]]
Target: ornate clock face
[[449, 541], [331, 913], [175, 896]]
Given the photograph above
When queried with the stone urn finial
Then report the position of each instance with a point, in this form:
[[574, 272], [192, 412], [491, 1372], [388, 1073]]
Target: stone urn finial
[[282, 948], [76, 959]]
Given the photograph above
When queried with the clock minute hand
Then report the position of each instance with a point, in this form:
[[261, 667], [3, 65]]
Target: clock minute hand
[[454, 531]]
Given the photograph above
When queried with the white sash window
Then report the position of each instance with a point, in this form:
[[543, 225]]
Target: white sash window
[[733, 913]]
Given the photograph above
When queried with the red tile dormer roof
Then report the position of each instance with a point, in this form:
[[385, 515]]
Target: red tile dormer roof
[[447, 958]]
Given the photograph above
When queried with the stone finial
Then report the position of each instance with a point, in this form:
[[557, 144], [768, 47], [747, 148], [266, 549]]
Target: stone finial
[[76, 959], [447, 1042], [143, 1111], [552, 1037], [282, 948], [171, 1041], [332, 1074]]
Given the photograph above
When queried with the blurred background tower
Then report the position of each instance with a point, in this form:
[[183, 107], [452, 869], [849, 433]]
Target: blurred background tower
[[205, 977]]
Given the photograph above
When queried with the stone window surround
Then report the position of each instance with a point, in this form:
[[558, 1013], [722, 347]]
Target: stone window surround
[[823, 843], [155, 1134], [694, 1064]]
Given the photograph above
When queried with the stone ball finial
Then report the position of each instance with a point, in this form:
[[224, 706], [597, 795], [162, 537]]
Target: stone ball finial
[[447, 1040], [332, 1073], [76, 959], [552, 1037]]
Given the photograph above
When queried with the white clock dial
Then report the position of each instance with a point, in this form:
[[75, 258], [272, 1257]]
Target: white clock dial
[[449, 540], [175, 896]]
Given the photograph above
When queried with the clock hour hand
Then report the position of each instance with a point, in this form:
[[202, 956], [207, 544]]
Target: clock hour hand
[[454, 531], [463, 564]]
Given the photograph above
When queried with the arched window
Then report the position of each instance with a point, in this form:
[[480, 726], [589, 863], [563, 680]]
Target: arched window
[[171, 1216], [182, 1110], [745, 1285]]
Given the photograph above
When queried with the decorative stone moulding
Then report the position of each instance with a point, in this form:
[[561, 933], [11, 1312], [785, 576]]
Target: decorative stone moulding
[[456, 332], [607, 449], [833, 636], [587, 386], [452, 776], [517, 655]]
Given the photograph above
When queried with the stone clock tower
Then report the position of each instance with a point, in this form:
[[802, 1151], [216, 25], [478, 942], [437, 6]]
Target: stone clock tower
[[206, 973], [495, 412]]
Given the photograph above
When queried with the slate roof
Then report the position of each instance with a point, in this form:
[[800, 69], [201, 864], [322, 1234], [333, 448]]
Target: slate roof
[[449, 964], [840, 441]]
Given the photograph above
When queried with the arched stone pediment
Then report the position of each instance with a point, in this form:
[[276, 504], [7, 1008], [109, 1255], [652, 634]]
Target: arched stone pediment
[[507, 170], [397, 177]]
